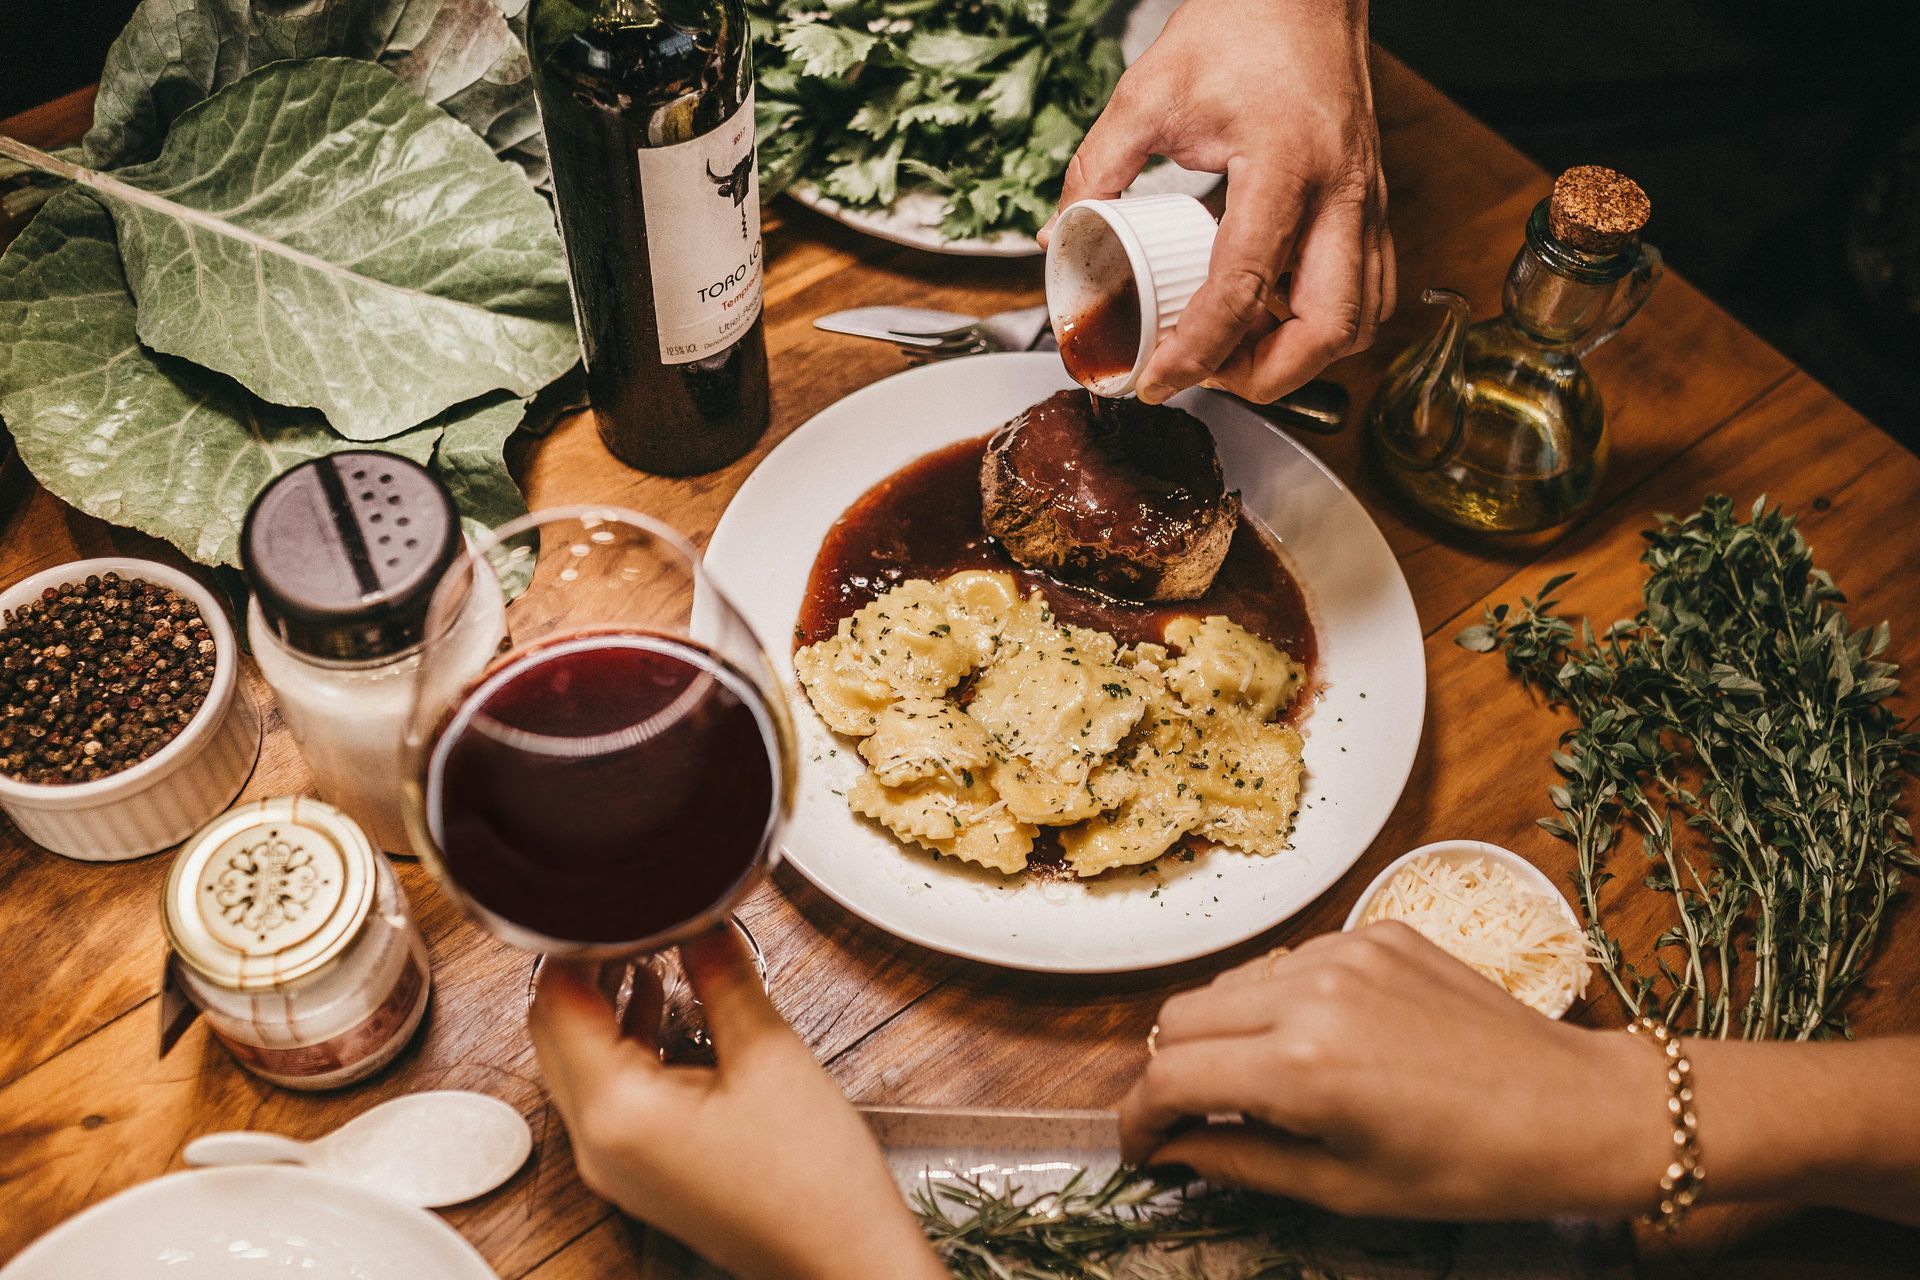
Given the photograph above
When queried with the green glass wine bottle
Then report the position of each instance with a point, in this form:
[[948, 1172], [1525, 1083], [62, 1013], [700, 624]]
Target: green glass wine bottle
[[648, 111]]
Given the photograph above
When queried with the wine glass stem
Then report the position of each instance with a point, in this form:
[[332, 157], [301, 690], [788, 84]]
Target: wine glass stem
[[665, 1011]]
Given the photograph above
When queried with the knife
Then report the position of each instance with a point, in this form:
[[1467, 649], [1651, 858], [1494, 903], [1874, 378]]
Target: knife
[[1320, 407], [908, 326], [1018, 330]]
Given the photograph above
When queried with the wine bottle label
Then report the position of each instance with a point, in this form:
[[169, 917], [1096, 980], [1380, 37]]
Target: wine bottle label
[[702, 203]]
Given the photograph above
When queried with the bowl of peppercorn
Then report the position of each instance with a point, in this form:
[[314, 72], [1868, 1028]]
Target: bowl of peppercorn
[[124, 724]]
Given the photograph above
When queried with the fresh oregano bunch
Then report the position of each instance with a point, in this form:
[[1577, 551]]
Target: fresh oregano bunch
[[1130, 1225], [1739, 727]]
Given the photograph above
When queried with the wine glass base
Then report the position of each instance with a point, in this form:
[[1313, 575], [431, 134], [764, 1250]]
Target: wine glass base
[[678, 1026]]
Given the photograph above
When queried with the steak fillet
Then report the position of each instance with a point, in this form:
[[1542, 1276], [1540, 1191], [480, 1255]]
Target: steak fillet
[[1127, 499]]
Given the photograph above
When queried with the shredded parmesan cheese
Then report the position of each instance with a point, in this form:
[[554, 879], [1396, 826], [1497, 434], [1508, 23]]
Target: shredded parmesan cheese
[[1479, 913]]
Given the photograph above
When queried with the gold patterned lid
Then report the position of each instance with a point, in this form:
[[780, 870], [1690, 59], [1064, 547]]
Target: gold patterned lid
[[269, 892]]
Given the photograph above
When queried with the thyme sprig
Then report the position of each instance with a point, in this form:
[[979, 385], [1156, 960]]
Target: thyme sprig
[[1739, 727], [1131, 1225]]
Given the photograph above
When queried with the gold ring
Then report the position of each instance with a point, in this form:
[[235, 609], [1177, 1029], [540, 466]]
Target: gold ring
[[1273, 956], [1153, 1041]]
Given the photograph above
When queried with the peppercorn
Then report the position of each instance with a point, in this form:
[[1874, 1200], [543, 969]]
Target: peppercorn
[[84, 690]]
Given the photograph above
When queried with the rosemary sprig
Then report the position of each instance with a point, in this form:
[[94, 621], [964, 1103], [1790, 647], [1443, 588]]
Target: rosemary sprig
[[1131, 1225], [1739, 728]]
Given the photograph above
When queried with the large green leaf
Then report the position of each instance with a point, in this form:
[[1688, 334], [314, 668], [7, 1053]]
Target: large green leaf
[[146, 440], [322, 234], [459, 54], [470, 459]]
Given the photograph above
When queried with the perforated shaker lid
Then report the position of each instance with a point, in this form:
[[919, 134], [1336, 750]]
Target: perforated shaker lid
[[269, 892], [343, 553]]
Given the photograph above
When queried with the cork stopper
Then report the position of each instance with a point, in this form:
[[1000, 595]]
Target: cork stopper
[[1597, 210]]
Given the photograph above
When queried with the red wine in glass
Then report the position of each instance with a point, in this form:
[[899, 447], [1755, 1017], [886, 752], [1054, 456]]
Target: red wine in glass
[[605, 792]]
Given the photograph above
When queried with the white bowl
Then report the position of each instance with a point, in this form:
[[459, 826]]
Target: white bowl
[[249, 1222], [1164, 243], [1457, 852], [173, 792]]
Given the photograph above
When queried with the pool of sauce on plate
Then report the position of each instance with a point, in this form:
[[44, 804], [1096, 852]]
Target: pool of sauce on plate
[[1104, 340], [923, 521]]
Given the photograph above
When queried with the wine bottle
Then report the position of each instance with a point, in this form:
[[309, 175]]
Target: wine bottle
[[648, 111]]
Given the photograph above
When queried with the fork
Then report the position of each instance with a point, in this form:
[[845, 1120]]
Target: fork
[[1320, 406]]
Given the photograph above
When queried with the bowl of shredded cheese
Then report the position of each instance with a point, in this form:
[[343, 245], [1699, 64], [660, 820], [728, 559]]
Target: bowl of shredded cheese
[[1491, 909]]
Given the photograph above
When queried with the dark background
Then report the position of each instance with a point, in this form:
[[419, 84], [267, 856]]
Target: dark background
[[1779, 139]]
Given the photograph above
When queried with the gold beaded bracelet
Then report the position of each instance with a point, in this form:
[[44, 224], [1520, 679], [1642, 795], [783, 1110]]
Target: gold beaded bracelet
[[1680, 1181]]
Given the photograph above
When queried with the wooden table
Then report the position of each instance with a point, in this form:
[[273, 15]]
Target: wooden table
[[1698, 404]]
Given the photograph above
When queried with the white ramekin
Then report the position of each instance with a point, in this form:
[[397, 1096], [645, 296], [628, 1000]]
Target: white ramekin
[[1456, 852], [1164, 242], [176, 790]]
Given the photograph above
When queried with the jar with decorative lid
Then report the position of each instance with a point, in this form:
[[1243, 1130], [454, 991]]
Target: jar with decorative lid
[[294, 939]]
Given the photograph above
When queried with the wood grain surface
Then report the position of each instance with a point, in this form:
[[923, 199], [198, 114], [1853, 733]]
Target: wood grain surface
[[1697, 404]]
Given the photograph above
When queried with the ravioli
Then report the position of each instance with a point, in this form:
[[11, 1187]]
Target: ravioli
[[1222, 665], [1032, 797], [1251, 785], [1162, 807], [1059, 703], [845, 693], [922, 738], [912, 639], [961, 819], [982, 719]]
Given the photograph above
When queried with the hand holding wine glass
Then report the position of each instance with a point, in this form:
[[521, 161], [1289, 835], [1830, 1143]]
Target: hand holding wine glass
[[617, 781], [758, 1163]]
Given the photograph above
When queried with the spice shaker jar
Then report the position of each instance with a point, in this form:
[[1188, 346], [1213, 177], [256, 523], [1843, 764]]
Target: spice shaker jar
[[294, 939], [343, 554]]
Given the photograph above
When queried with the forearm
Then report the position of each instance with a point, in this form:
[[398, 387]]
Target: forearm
[[1836, 1125]]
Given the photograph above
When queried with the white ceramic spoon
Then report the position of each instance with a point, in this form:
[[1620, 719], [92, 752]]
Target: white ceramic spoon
[[425, 1149]]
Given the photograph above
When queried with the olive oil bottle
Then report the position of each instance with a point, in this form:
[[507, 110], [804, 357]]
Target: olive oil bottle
[[1497, 427], [648, 111]]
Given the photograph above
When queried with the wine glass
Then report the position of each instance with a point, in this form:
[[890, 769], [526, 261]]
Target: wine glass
[[614, 779]]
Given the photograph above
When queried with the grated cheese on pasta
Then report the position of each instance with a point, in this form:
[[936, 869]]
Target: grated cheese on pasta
[[982, 718], [1478, 912]]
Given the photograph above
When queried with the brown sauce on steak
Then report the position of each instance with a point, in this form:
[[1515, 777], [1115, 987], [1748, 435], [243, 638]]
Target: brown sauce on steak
[[923, 521], [1104, 467]]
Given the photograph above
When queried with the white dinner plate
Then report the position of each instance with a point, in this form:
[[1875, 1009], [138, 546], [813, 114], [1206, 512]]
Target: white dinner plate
[[243, 1222], [913, 218], [1360, 735]]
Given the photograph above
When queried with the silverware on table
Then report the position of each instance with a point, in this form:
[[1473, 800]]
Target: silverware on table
[[923, 334], [940, 334]]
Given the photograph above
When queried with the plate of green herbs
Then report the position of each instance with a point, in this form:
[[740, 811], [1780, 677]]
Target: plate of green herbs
[[947, 127]]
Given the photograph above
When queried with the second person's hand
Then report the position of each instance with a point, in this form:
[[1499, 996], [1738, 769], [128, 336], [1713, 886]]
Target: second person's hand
[[1380, 1076], [1276, 95]]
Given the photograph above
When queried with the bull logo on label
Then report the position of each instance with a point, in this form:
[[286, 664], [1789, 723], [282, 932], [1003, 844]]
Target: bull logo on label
[[734, 185]]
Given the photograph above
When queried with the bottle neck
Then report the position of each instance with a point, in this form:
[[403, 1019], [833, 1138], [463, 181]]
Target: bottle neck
[[1556, 294]]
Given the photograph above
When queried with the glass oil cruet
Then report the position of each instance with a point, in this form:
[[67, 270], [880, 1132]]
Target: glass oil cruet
[[1496, 427]]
